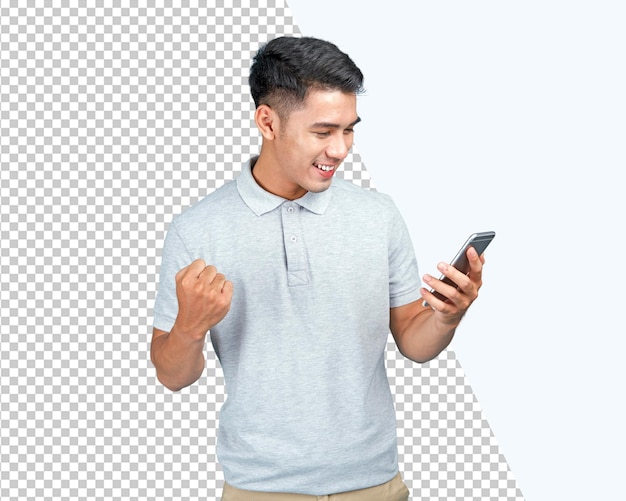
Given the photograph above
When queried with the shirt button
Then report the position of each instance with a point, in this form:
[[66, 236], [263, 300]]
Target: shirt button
[[294, 238], [290, 209]]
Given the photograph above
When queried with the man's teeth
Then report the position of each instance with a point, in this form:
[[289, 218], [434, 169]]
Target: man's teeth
[[325, 168]]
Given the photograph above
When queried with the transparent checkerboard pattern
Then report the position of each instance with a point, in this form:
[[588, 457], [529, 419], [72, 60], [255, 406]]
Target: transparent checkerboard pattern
[[112, 120]]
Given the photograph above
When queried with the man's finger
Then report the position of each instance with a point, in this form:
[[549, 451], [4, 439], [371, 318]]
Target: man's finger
[[196, 267], [208, 273], [227, 287], [192, 269]]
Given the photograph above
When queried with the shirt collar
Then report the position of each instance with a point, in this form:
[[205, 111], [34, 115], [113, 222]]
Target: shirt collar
[[260, 201]]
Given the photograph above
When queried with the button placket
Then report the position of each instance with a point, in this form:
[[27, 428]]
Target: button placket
[[297, 262]]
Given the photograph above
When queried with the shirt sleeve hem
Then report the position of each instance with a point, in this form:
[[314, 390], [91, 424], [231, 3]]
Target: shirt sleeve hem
[[405, 298]]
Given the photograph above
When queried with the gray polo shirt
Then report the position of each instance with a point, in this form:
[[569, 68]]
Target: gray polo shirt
[[308, 407]]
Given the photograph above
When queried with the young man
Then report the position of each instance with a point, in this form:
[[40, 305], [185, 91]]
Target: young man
[[299, 276]]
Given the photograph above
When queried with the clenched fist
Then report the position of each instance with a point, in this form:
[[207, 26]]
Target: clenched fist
[[204, 298]]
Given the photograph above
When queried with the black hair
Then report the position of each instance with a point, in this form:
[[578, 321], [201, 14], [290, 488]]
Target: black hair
[[286, 68]]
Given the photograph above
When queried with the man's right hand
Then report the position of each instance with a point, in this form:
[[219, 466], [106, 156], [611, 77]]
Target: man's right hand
[[204, 298]]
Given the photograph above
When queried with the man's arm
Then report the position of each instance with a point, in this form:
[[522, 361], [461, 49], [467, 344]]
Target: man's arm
[[204, 298], [423, 332], [178, 358]]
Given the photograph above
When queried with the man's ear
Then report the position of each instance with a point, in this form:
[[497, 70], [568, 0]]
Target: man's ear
[[267, 121]]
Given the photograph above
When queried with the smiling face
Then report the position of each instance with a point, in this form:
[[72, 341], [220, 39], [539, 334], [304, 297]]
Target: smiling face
[[302, 152]]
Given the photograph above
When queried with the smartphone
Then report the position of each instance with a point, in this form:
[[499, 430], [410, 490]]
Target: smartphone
[[479, 241]]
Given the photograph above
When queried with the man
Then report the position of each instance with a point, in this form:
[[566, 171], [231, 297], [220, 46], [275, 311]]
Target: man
[[299, 276]]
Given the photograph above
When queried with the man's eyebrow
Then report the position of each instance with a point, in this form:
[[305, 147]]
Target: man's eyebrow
[[330, 125]]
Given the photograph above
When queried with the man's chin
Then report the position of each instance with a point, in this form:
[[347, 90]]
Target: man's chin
[[320, 187]]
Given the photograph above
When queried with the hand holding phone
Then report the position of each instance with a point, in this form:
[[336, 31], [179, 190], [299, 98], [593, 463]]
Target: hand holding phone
[[479, 241]]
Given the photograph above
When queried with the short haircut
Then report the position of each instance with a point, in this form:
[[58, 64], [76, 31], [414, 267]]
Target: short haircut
[[285, 69]]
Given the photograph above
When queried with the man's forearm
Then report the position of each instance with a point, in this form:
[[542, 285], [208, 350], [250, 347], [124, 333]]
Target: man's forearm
[[178, 359], [423, 337]]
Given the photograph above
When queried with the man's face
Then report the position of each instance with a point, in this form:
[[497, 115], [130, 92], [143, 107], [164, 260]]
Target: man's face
[[311, 143]]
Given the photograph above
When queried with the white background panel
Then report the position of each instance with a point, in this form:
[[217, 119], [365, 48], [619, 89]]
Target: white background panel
[[510, 116]]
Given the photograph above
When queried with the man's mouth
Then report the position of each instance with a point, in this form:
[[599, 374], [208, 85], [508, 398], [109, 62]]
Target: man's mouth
[[325, 168]]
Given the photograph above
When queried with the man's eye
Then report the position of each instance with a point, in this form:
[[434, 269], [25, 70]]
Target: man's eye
[[348, 131], [322, 134]]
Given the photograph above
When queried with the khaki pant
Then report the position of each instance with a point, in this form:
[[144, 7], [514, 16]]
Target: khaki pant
[[394, 490]]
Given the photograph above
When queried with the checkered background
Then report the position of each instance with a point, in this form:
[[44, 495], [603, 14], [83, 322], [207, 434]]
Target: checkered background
[[112, 120]]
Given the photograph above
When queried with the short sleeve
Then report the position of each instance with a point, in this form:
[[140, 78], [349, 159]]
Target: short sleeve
[[174, 257], [404, 278]]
